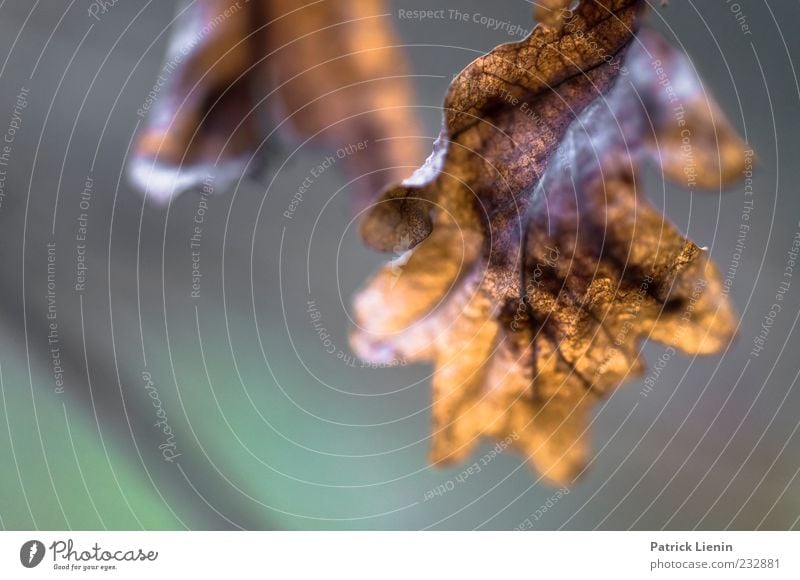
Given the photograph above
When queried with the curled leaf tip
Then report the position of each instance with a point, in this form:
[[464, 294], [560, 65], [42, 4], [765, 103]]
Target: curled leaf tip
[[398, 222]]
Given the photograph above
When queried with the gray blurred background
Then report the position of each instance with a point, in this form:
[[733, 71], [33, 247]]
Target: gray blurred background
[[269, 430]]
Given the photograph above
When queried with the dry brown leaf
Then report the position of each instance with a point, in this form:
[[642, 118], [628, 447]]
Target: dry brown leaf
[[328, 70], [536, 266]]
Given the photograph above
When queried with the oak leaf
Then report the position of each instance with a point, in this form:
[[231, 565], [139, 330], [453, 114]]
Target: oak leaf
[[328, 70], [534, 265]]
